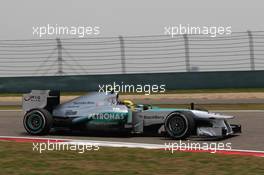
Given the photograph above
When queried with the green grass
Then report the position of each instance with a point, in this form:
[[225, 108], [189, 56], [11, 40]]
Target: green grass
[[180, 91], [229, 90], [9, 107], [18, 158], [5, 94], [242, 106]]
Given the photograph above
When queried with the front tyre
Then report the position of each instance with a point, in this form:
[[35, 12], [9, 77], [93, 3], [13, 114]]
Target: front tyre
[[38, 121], [179, 125]]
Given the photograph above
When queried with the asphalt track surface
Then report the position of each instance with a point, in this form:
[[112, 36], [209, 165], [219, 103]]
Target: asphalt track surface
[[251, 137]]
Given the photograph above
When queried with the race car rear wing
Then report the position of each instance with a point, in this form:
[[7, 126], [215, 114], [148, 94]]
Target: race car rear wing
[[46, 99]]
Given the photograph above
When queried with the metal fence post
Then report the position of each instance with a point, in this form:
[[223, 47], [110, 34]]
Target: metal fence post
[[187, 53], [251, 50], [122, 52], [59, 60]]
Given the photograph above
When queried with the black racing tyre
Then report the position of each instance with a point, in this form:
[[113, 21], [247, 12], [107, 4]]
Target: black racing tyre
[[179, 125], [38, 121]]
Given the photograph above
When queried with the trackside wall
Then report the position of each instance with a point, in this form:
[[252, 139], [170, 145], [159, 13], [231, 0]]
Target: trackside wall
[[173, 81]]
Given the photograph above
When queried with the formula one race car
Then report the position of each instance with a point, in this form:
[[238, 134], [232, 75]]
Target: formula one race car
[[101, 111]]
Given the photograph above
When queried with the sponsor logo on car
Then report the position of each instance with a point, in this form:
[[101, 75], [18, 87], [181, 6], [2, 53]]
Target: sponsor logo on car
[[70, 112], [83, 102], [108, 116], [32, 98]]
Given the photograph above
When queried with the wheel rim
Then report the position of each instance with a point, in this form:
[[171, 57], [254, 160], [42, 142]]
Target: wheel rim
[[177, 125], [35, 121]]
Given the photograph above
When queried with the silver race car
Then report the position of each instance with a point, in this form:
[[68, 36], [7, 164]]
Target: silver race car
[[104, 112]]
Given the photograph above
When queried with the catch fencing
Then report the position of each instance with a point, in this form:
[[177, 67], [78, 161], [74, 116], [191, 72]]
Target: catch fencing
[[240, 51]]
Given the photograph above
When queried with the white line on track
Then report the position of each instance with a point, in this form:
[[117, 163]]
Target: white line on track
[[231, 110], [114, 143]]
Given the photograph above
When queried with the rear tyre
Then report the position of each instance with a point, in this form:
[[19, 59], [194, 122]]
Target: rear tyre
[[38, 121], [179, 125]]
